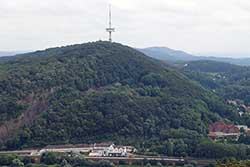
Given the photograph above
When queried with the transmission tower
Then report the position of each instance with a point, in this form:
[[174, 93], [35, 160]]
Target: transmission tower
[[110, 30]]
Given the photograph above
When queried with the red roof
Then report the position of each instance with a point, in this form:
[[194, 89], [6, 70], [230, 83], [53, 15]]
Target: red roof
[[222, 127]]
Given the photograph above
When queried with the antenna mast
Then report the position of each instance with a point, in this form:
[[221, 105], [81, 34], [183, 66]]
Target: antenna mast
[[110, 29]]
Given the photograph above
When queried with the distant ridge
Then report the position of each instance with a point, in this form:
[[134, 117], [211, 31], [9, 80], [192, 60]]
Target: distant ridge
[[171, 55], [7, 53]]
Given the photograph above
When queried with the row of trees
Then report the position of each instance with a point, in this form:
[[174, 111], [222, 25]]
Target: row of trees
[[47, 159], [230, 162], [15, 161]]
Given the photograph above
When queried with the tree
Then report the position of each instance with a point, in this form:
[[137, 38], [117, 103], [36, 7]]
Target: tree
[[49, 158], [65, 163], [180, 148], [169, 148], [17, 163], [105, 164]]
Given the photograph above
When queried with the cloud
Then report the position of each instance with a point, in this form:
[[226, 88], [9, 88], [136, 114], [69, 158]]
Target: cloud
[[192, 25]]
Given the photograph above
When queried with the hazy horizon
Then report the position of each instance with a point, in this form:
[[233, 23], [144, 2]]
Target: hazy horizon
[[198, 27], [218, 55]]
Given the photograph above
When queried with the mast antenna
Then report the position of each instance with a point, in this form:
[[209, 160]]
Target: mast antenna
[[110, 30]]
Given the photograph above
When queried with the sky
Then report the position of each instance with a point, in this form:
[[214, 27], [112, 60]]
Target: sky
[[202, 27]]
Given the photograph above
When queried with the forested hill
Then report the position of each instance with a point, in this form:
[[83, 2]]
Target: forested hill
[[213, 67], [229, 81], [97, 92]]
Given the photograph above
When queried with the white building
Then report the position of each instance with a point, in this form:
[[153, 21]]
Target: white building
[[111, 151]]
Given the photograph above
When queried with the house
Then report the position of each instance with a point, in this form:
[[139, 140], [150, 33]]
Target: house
[[220, 130], [111, 151], [244, 128], [94, 150]]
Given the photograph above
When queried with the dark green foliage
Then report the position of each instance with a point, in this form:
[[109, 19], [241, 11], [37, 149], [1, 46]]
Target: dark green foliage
[[9, 108], [177, 142], [66, 160], [6, 160], [107, 92], [244, 139], [13, 160], [221, 150], [17, 163], [227, 80], [212, 67], [232, 162], [50, 158]]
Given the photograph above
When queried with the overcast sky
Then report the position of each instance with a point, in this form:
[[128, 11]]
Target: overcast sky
[[195, 26]]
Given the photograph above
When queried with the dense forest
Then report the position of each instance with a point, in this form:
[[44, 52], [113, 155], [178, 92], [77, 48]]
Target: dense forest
[[103, 91], [227, 80], [230, 82]]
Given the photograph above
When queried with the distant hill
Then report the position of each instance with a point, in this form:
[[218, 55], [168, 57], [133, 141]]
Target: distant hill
[[102, 91], [7, 53], [167, 54], [5, 56], [164, 53]]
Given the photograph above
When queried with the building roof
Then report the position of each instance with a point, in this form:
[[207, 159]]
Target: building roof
[[222, 127]]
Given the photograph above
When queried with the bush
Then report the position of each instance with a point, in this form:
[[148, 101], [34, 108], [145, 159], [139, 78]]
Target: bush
[[50, 158], [17, 163]]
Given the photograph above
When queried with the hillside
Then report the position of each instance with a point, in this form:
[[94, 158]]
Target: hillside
[[171, 55], [231, 82], [101, 91], [209, 66]]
